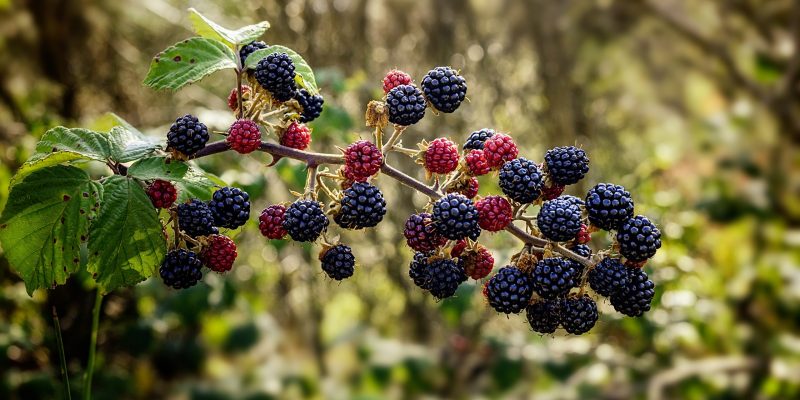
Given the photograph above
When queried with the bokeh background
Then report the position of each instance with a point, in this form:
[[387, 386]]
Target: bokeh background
[[692, 105]]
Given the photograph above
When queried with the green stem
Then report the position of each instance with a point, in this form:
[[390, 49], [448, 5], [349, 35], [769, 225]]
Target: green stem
[[87, 382], [61, 356]]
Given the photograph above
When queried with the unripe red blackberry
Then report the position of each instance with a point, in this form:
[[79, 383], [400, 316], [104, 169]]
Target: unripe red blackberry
[[499, 148], [478, 262], [296, 136], [552, 191], [395, 78], [244, 136], [270, 222], [219, 254], [362, 159], [458, 248], [583, 236], [441, 156], [162, 194], [494, 213], [468, 187], [476, 163], [233, 97], [420, 233]]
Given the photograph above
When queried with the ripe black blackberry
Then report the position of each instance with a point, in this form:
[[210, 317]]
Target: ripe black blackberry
[[362, 206], [250, 48], [181, 269], [608, 205], [553, 277], [559, 220], [455, 217], [521, 180], [581, 250], [510, 290], [195, 218], [444, 276], [444, 88], [187, 135], [578, 314], [305, 220], [311, 104], [476, 139], [544, 316], [230, 207], [338, 262], [420, 233], [638, 239], [634, 298], [406, 105], [566, 165], [418, 270], [577, 201], [608, 277], [275, 73]]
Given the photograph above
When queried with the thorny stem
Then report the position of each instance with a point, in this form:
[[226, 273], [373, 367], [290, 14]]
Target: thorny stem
[[314, 159], [311, 182], [87, 382], [62, 358]]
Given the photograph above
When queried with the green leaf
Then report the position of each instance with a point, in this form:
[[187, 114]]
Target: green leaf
[[210, 29], [90, 144], [187, 62], [126, 243], [158, 168], [45, 221], [301, 67], [197, 184], [129, 145], [108, 121], [39, 161]]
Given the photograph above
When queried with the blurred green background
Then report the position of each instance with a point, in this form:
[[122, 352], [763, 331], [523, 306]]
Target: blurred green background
[[694, 106]]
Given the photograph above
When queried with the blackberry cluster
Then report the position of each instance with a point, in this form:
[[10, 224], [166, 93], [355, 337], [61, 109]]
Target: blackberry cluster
[[305, 220], [456, 217], [608, 277], [195, 218], [338, 262], [638, 239], [406, 105], [578, 314], [521, 180], [275, 73], [250, 48], [608, 205], [559, 220], [311, 105], [476, 139], [362, 206], [566, 165], [553, 277], [544, 316], [187, 135], [444, 88], [230, 207], [634, 298], [510, 290], [181, 269], [421, 234]]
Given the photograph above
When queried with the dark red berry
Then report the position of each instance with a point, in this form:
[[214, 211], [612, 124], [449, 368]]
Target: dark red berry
[[552, 191], [270, 222], [244, 136], [468, 188], [476, 163], [395, 78], [441, 156], [478, 262], [162, 194], [420, 233], [584, 236], [296, 136], [459, 248], [233, 98], [499, 148], [219, 254], [494, 213], [362, 159]]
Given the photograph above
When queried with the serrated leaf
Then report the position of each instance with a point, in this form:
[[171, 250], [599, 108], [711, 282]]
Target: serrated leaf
[[45, 221], [127, 145], [108, 121], [210, 29], [126, 242], [39, 161], [197, 184], [301, 67], [187, 62], [158, 168], [90, 144]]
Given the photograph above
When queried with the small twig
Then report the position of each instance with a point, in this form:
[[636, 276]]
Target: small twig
[[311, 182], [62, 358], [398, 130]]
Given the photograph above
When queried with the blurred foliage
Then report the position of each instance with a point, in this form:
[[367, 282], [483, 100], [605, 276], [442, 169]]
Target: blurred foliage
[[691, 105]]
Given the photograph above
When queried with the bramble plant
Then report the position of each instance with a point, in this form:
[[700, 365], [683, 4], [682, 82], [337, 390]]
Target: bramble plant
[[159, 214]]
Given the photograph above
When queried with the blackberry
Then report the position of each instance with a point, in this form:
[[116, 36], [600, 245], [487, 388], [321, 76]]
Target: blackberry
[[559, 220], [296, 136], [456, 217], [270, 222], [441, 156], [195, 218], [444, 88], [578, 314], [406, 105], [581, 250], [181, 269], [250, 48], [275, 73], [467, 187], [304, 220], [420, 233], [187, 135], [494, 213], [566, 165], [362, 206], [219, 254], [476, 164], [521, 180], [574, 200], [499, 149], [230, 207], [244, 136], [544, 316], [418, 270], [395, 78], [338, 262], [510, 290], [608, 277], [311, 104], [476, 139], [162, 193], [638, 239], [553, 277], [362, 159], [608, 205], [634, 298], [477, 263], [233, 97], [444, 276]]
